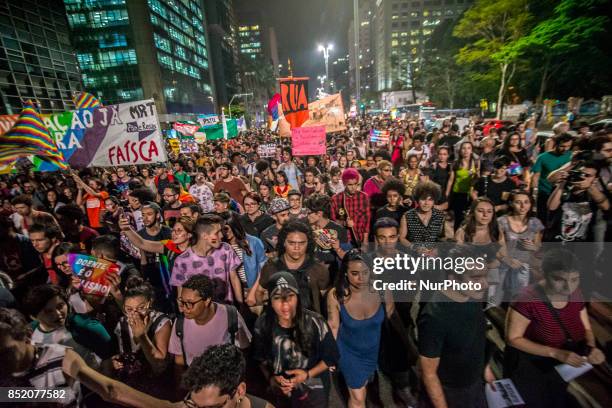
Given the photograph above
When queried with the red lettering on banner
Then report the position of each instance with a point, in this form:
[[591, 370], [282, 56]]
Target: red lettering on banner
[[145, 150]]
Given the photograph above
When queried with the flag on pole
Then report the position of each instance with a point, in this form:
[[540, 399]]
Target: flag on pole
[[224, 124], [28, 137], [85, 100]]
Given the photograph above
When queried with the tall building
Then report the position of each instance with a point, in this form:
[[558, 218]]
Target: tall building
[[339, 75], [222, 25], [400, 29], [138, 49], [366, 51], [36, 59]]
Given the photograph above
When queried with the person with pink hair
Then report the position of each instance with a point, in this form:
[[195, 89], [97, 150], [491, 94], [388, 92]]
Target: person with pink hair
[[351, 208]]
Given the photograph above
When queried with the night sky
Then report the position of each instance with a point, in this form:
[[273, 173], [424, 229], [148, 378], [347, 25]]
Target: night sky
[[300, 26]]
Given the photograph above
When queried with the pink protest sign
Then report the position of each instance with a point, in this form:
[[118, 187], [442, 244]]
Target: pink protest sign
[[308, 141]]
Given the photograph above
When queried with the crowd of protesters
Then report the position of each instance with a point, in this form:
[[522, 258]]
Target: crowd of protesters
[[240, 272]]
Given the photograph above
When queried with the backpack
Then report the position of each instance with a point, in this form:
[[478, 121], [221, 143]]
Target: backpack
[[232, 327]]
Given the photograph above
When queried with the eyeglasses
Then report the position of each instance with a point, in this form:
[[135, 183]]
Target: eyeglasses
[[141, 309], [188, 305], [191, 404]]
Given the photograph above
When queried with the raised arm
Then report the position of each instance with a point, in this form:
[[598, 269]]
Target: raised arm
[[139, 242]]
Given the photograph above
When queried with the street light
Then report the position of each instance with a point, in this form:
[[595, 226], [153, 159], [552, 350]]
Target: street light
[[326, 51], [229, 108], [322, 78]]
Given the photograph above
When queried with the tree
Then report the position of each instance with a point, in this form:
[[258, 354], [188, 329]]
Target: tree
[[494, 27], [572, 27]]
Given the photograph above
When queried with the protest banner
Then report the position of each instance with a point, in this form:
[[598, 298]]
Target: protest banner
[[266, 150], [216, 131], [294, 98], [186, 128], [329, 112], [208, 120], [200, 136], [379, 136], [308, 141], [188, 145], [112, 135], [93, 273]]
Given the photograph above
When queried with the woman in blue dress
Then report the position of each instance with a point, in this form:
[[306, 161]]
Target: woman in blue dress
[[356, 314]]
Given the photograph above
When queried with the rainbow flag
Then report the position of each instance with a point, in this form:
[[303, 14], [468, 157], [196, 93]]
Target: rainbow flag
[[86, 100], [30, 136]]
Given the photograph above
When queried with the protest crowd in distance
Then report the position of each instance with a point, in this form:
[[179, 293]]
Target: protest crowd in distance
[[237, 272]]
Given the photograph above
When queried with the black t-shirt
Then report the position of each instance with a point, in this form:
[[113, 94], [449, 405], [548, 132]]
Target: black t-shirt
[[386, 212], [256, 227], [164, 233], [283, 353], [486, 187], [456, 334], [573, 220], [450, 141]]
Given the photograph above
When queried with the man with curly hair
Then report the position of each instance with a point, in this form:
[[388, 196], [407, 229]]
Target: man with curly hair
[[217, 379]]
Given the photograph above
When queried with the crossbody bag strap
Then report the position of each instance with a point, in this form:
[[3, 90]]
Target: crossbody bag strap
[[554, 312]]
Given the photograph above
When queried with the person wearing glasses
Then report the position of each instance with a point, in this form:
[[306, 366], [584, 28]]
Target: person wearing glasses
[[204, 324], [172, 207], [143, 335], [294, 347], [216, 379]]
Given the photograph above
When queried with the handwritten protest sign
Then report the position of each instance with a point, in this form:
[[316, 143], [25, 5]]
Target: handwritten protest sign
[[329, 112], [266, 150], [175, 145], [93, 273], [111, 135], [208, 120], [308, 141]]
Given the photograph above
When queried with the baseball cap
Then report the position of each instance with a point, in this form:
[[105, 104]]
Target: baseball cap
[[280, 281], [278, 205], [293, 192], [153, 205]]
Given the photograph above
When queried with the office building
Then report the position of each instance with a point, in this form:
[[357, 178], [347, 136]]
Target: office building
[[222, 27], [366, 52], [36, 59], [400, 30], [135, 49]]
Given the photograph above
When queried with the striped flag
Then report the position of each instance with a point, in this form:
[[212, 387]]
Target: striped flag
[[85, 100], [28, 137]]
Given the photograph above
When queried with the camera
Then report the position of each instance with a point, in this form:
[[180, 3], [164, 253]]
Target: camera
[[575, 176]]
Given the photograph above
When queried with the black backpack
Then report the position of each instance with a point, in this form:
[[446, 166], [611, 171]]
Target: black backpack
[[232, 327]]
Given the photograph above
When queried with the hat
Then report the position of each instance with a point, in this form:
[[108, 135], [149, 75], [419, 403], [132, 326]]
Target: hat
[[280, 281], [293, 192], [278, 205]]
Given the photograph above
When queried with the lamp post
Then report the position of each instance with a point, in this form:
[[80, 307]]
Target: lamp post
[[326, 51], [229, 108]]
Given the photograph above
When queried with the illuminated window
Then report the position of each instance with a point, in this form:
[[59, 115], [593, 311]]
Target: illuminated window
[[404, 34], [425, 13], [394, 43], [414, 14]]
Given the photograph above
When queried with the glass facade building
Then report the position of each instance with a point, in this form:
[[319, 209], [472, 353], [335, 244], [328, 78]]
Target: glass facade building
[[250, 39], [36, 59], [131, 50]]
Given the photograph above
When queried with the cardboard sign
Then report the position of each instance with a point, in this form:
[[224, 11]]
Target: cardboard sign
[[308, 141], [266, 150], [328, 112], [175, 145], [93, 273]]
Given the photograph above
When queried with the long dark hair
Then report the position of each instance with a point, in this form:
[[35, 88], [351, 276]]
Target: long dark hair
[[232, 221], [302, 332], [459, 159], [342, 285], [512, 196], [470, 221], [63, 249]]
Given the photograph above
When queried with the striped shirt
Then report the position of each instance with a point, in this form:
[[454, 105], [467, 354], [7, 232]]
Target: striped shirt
[[47, 373], [543, 327]]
